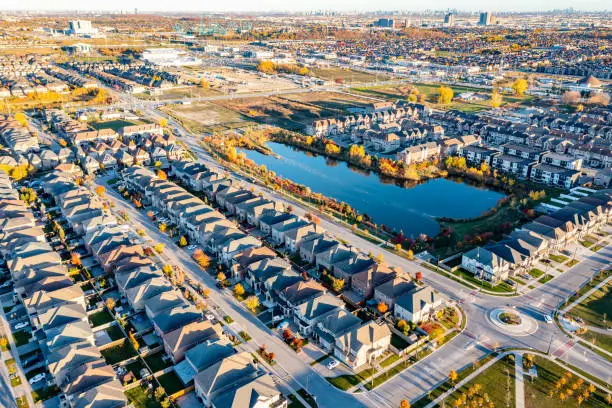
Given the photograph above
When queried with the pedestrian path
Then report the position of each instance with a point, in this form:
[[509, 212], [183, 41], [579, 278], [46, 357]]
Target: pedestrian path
[[519, 383]]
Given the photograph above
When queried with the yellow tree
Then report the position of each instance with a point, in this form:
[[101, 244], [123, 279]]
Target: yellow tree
[[163, 122], [496, 99], [382, 307], [100, 190], [161, 174], [252, 302], [182, 241], [221, 277], [452, 376], [404, 404], [238, 289], [159, 248], [520, 86], [445, 95]]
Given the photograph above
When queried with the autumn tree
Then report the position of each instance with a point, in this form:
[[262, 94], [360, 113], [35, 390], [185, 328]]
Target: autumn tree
[[267, 67], [150, 214], [496, 99], [100, 190], [382, 308], [161, 174], [4, 343], [404, 404], [252, 302], [445, 95], [238, 289], [167, 269], [21, 118], [159, 393], [201, 258], [221, 277], [75, 259], [163, 122], [520, 86], [159, 248], [110, 304], [337, 284], [162, 226], [133, 340], [452, 376], [182, 241]]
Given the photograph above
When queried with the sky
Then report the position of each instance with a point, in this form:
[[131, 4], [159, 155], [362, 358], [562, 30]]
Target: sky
[[284, 5]]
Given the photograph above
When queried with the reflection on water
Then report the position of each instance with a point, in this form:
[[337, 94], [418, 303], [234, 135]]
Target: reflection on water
[[403, 205]]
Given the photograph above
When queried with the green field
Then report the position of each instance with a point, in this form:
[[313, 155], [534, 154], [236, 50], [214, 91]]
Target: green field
[[593, 308], [114, 124], [347, 76], [537, 393]]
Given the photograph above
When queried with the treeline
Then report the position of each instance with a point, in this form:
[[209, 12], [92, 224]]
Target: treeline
[[269, 67]]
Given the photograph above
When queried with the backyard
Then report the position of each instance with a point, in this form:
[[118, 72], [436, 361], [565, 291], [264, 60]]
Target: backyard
[[140, 399], [119, 353]]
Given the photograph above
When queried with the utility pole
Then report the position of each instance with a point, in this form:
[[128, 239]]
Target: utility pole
[[549, 344]]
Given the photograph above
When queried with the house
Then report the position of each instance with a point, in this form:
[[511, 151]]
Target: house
[[258, 392], [390, 291], [309, 312], [243, 259], [72, 333], [294, 237], [363, 283], [364, 344], [41, 301], [418, 304], [314, 244], [174, 318], [485, 265], [136, 277], [86, 377], [60, 316], [202, 356], [219, 385], [178, 341], [332, 326], [163, 302], [139, 295], [260, 271], [107, 395], [61, 361]]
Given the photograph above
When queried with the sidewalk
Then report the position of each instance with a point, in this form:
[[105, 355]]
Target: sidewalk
[[519, 387]]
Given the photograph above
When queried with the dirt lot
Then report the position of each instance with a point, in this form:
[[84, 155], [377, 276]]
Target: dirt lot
[[333, 101], [206, 117], [236, 80], [347, 76], [279, 111]]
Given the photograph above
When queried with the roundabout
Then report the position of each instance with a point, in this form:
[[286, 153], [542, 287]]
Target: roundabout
[[512, 322]]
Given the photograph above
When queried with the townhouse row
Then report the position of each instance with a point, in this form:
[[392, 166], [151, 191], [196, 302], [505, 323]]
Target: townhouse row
[[56, 308], [537, 239]]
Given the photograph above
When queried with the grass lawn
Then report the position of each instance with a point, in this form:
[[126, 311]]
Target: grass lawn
[[344, 382], [545, 278], [119, 353], [43, 394], [497, 382], [245, 336], [113, 124], [389, 360], [398, 342], [347, 75], [592, 309], [549, 372], [597, 248], [586, 244], [114, 332], [16, 381], [499, 288], [573, 262], [558, 258], [22, 402], [228, 319], [100, 318], [22, 337], [156, 361], [139, 398], [598, 339], [171, 382]]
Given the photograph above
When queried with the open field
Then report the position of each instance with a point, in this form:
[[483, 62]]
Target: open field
[[204, 117], [278, 111], [236, 80], [347, 76], [430, 91], [593, 308], [114, 124], [334, 101], [178, 93], [537, 393]]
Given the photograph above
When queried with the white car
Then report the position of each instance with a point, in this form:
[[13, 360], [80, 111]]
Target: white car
[[21, 325], [37, 378], [548, 319], [210, 316], [332, 364]]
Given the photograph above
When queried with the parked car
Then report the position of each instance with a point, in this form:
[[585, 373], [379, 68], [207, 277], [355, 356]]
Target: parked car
[[548, 319], [37, 378], [510, 282], [21, 325], [332, 364], [210, 316]]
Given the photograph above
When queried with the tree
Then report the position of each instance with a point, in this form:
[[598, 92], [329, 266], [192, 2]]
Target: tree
[[267, 67], [398, 247], [159, 393], [27, 195], [201, 258], [110, 304], [445, 95], [206, 292], [252, 302], [4, 343], [133, 340], [100, 190], [150, 214], [21, 118], [161, 174], [337, 284], [162, 226], [452, 376], [182, 241], [382, 307], [167, 269], [410, 254], [287, 334], [404, 404], [221, 277], [204, 83], [496, 99], [75, 259], [159, 248], [520, 86], [238, 289], [163, 122], [166, 403]]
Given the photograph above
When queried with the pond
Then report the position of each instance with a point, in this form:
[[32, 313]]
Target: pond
[[408, 208]]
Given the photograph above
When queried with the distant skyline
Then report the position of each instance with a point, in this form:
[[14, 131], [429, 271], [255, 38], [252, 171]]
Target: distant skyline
[[283, 5]]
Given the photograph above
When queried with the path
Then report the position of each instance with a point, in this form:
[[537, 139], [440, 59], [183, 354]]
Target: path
[[519, 383]]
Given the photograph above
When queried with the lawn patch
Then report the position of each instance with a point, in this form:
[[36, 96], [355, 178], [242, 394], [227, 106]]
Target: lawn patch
[[43, 394], [536, 273], [116, 354], [593, 308], [171, 382], [558, 258], [100, 318], [22, 337], [157, 362], [140, 399], [344, 382]]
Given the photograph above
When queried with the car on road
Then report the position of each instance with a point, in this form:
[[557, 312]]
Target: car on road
[[192, 247], [548, 319], [210, 316], [37, 378], [21, 325], [332, 364], [510, 282]]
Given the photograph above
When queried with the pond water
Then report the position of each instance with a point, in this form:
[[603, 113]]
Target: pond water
[[409, 208]]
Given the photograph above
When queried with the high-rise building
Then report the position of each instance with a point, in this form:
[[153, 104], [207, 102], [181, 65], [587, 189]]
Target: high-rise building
[[385, 23], [81, 27], [486, 19], [449, 20]]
